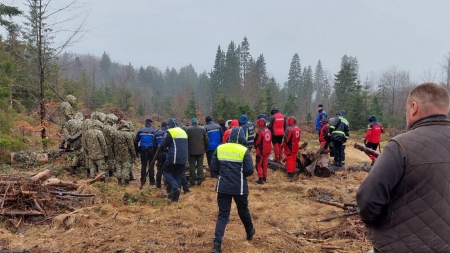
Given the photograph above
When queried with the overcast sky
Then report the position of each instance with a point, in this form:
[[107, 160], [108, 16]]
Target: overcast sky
[[410, 34]]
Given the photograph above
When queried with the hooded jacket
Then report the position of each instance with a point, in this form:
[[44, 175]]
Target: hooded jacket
[[176, 144], [292, 135], [263, 140], [233, 163], [249, 129], [94, 142], [320, 115], [123, 143], [234, 123], [374, 131], [339, 127]]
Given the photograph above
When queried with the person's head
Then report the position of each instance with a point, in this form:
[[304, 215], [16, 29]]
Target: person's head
[[243, 119], [194, 121], [372, 118], [273, 110], [124, 125], [234, 123], [340, 113], [237, 136], [324, 121], [261, 122], [208, 119], [164, 124], [291, 121], [171, 123], [148, 122], [227, 124], [79, 116], [261, 116], [424, 100], [319, 107], [111, 119], [221, 122], [71, 99]]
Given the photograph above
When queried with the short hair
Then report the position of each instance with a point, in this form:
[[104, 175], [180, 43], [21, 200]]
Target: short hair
[[431, 95]]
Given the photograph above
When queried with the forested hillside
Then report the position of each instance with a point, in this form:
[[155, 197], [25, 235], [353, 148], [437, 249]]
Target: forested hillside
[[36, 74]]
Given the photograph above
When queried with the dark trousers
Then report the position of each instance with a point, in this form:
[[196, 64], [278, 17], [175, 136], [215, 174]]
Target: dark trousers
[[146, 158], [224, 203], [159, 171], [209, 154], [196, 162], [372, 145], [173, 173], [337, 151]]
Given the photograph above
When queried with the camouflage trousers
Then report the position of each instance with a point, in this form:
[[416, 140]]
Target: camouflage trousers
[[123, 169], [78, 157], [96, 167], [111, 164]]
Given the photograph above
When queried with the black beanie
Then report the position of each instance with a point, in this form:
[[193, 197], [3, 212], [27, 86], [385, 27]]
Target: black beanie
[[208, 118]]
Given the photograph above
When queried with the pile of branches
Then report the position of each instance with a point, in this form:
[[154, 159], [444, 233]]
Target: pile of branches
[[38, 198]]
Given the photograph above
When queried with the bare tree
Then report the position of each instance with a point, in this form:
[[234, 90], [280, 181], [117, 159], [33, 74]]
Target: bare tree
[[445, 66], [40, 32], [390, 82], [428, 75]]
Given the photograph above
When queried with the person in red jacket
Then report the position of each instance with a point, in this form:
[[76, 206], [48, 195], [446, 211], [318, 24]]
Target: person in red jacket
[[291, 144], [263, 146], [373, 136], [324, 134], [234, 123], [277, 126]]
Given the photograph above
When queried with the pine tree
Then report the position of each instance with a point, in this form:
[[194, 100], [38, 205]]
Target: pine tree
[[294, 78], [217, 74], [319, 83], [9, 11], [232, 81], [345, 84], [290, 106], [263, 78], [191, 109], [245, 58]]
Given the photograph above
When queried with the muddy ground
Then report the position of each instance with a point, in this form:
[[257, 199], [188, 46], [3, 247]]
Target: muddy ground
[[126, 219]]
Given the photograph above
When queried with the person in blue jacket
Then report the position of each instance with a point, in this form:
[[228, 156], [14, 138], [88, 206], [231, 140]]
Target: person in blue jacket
[[249, 130], [143, 144], [233, 163], [321, 114], [215, 134], [175, 143]]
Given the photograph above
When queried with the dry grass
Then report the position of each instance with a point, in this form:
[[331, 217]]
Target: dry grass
[[125, 219]]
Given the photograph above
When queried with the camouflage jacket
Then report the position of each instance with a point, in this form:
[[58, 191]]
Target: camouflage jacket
[[72, 130], [94, 143], [123, 145], [108, 132], [65, 110]]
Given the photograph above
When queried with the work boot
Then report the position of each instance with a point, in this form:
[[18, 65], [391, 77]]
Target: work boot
[[119, 181], [186, 191], [251, 234], [73, 170], [199, 182], [260, 181], [141, 186], [61, 146], [127, 182], [131, 176], [265, 179], [217, 248], [175, 194]]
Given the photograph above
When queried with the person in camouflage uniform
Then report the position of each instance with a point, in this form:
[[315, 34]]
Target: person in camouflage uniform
[[131, 129], [108, 131], [125, 152], [94, 145], [66, 114], [72, 130]]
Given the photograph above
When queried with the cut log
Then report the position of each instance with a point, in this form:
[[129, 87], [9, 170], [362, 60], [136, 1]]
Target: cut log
[[366, 150], [322, 168], [41, 176], [20, 213], [276, 166], [58, 182]]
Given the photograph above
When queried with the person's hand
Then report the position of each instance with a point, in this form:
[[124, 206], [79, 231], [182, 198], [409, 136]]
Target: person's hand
[[69, 140]]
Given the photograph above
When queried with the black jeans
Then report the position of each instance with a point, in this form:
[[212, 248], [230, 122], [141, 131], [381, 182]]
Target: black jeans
[[159, 171], [337, 151], [146, 158], [209, 154], [224, 203]]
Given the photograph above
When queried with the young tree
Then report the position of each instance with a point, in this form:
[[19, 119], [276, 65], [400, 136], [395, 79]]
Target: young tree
[[40, 37], [345, 84], [319, 83], [245, 58], [191, 109], [294, 78]]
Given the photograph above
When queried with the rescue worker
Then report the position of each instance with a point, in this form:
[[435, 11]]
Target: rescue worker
[[160, 156], [66, 114], [108, 131], [143, 143], [176, 144], [197, 145], [215, 134], [233, 123], [339, 135], [94, 145], [125, 152], [72, 130], [233, 163], [324, 134], [263, 147], [249, 130], [290, 145], [277, 126], [373, 136]]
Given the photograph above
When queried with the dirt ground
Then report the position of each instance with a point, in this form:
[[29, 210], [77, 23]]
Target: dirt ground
[[126, 219]]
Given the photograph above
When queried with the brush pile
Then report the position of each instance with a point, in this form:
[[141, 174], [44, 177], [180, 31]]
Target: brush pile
[[39, 198]]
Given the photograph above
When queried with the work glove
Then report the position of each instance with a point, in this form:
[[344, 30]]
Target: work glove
[[69, 140]]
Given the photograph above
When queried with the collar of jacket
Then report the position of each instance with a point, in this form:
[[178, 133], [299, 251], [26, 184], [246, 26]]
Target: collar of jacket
[[435, 119]]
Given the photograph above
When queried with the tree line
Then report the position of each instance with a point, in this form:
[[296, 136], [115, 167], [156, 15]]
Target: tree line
[[35, 71]]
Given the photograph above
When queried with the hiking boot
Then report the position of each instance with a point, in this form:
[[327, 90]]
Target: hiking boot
[[132, 177], [191, 183], [217, 248], [141, 186], [119, 181], [152, 183], [174, 195], [186, 191], [199, 183], [264, 179], [127, 182], [260, 181], [251, 234], [61, 146], [73, 170]]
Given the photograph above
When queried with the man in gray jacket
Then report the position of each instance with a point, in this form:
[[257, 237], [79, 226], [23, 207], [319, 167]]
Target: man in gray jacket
[[404, 201], [197, 146]]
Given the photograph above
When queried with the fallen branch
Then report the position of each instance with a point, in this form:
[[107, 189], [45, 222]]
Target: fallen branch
[[4, 196], [37, 205], [21, 213], [41, 176], [95, 179], [331, 247], [72, 194], [333, 204], [337, 216]]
